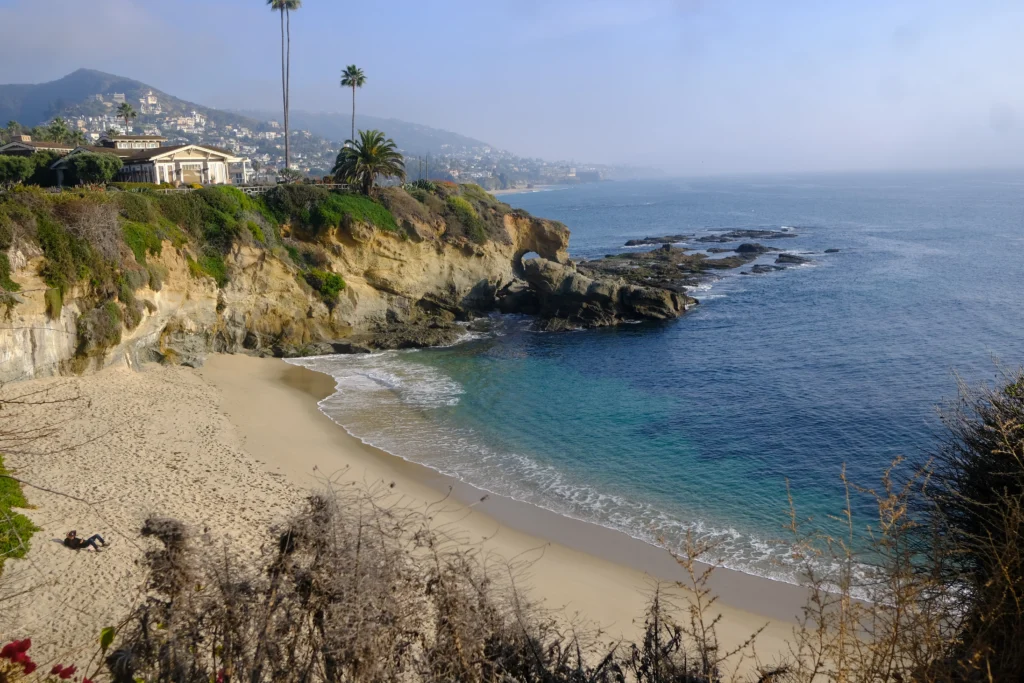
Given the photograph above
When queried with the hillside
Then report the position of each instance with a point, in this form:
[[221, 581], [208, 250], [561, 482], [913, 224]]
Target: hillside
[[32, 105], [412, 138]]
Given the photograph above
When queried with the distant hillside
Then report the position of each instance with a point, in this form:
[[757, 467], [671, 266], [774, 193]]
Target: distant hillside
[[412, 138], [31, 105]]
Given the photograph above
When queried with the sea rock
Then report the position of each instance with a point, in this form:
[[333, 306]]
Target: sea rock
[[736, 235], [761, 269], [755, 248], [577, 300], [791, 259], [832, 251], [655, 241]]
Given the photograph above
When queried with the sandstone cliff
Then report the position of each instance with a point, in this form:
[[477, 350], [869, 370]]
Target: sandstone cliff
[[404, 287]]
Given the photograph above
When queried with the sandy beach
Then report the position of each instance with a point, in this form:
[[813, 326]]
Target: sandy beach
[[232, 447]]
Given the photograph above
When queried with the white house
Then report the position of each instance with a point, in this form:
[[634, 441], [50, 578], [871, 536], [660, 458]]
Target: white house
[[177, 164]]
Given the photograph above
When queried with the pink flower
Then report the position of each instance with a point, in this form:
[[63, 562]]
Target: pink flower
[[55, 671], [7, 651], [23, 645], [19, 658], [29, 668], [86, 680], [66, 673]]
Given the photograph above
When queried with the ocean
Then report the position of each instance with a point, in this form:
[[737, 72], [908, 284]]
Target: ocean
[[697, 425]]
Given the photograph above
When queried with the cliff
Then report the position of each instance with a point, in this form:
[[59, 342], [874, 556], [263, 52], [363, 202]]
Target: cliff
[[98, 277]]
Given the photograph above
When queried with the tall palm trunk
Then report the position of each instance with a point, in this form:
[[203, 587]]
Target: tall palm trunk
[[353, 113], [284, 92], [288, 92]]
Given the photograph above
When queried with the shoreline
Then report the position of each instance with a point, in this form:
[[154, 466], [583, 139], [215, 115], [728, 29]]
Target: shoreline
[[598, 573]]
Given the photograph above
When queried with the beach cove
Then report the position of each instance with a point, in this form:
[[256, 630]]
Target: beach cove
[[234, 446]]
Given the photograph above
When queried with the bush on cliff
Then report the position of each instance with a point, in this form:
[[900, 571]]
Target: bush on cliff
[[327, 285]]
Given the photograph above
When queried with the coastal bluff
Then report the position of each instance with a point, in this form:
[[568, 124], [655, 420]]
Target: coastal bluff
[[406, 270]]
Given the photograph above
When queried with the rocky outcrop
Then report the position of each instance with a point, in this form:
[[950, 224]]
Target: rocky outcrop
[[791, 259], [567, 298], [402, 290]]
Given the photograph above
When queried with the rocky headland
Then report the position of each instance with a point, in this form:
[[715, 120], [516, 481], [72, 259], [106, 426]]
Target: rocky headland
[[96, 277]]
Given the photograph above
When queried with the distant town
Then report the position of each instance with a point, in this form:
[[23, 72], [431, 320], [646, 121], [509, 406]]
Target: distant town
[[262, 143]]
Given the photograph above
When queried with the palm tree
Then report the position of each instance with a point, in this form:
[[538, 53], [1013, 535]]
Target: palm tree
[[285, 7], [13, 128], [77, 138], [353, 77], [126, 112], [58, 130], [360, 162]]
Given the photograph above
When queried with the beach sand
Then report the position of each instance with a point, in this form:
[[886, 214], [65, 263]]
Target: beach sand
[[233, 446]]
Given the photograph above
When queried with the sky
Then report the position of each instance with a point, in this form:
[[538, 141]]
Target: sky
[[689, 86]]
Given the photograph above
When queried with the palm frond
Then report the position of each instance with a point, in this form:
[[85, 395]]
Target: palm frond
[[373, 155]]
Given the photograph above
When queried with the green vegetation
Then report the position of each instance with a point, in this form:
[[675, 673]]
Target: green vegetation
[[209, 265], [54, 303], [338, 208], [372, 155], [94, 169], [14, 170], [142, 238], [464, 213], [6, 283], [15, 529], [327, 285]]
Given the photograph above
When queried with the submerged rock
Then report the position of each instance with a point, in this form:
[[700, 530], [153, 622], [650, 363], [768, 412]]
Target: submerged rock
[[832, 251]]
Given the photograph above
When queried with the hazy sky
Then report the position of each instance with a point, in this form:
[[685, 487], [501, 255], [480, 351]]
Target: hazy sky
[[691, 86]]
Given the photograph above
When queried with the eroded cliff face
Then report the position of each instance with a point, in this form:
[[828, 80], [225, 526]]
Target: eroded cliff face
[[416, 287]]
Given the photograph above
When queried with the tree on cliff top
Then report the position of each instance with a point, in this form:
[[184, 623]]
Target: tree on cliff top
[[353, 77], [285, 7], [94, 169], [361, 161]]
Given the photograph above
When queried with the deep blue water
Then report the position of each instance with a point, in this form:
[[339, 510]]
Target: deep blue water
[[696, 424]]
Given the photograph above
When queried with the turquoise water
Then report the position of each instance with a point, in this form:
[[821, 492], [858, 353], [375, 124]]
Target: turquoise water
[[696, 424]]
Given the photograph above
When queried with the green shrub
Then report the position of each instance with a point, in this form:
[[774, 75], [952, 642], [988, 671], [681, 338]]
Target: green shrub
[[466, 216], [6, 282], [128, 187], [142, 238], [99, 329], [184, 209], [209, 264], [136, 207], [338, 208], [328, 285], [157, 275], [15, 529], [132, 314], [54, 303], [257, 231], [287, 203], [66, 256], [6, 231]]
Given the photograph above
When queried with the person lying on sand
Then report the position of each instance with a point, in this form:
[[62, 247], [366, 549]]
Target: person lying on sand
[[75, 543]]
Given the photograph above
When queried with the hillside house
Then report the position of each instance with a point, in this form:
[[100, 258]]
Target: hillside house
[[25, 146], [178, 164]]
